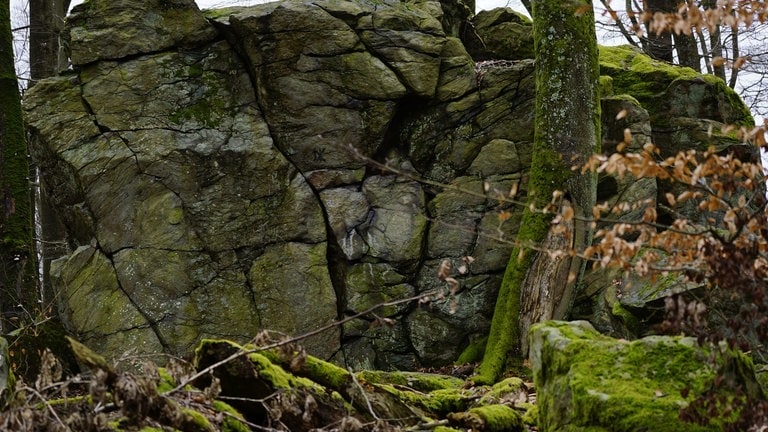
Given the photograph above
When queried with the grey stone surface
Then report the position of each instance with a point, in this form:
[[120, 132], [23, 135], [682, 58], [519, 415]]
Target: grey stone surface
[[213, 172]]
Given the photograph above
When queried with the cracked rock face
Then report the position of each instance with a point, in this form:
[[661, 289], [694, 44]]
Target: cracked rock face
[[174, 219], [210, 173]]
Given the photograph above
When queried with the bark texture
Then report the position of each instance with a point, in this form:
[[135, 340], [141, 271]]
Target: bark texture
[[567, 130], [46, 21], [659, 42]]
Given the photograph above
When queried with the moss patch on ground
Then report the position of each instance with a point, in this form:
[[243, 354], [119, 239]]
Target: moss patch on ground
[[490, 418]]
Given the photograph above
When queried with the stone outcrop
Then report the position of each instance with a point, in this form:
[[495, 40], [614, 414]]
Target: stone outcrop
[[214, 175]]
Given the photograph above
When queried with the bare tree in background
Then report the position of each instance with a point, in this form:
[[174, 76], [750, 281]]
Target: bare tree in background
[[47, 57], [20, 35], [46, 53]]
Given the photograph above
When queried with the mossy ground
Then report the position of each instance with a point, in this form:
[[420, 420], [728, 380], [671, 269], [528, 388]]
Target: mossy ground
[[407, 397]]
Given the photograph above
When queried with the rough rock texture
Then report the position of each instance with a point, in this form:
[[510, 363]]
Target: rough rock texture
[[207, 182], [587, 381]]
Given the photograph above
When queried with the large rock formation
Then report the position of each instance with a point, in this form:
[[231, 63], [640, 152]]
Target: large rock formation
[[212, 170]]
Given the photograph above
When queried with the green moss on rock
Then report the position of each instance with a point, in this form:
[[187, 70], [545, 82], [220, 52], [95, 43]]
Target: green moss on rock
[[197, 421], [315, 369], [637, 74], [506, 386], [233, 420], [447, 429], [490, 418], [587, 380], [531, 416], [606, 86], [499, 417], [659, 86], [630, 320], [420, 381], [438, 402], [167, 383], [505, 391], [473, 352], [267, 371]]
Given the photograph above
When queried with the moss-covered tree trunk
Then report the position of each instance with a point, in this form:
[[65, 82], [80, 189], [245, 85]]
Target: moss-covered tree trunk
[[17, 269], [567, 131]]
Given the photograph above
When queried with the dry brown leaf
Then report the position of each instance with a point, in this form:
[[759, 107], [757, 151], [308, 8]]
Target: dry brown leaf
[[513, 190], [670, 198], [444, 270]]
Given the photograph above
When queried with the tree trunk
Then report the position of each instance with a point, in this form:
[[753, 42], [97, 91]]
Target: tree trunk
[[659, 43], [17, 259], [567, 132], [735, 53], [716, 50], [46, 21], [687, 51], [715, 42], [47, 58]]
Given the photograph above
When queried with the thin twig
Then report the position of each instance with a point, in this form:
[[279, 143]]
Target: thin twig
[[362, 392], [47, 405]]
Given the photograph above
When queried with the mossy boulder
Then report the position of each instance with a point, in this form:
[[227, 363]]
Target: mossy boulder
[[491, 418], [587, 381], [669, 91]]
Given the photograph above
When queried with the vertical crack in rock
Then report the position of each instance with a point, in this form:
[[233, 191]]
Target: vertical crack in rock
[[334, 256], [91, 114], [150, 321]]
